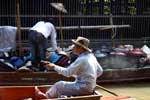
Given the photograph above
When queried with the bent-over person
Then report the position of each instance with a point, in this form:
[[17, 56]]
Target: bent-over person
[[38, 38]]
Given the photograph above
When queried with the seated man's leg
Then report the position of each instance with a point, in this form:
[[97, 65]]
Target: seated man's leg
[[66, 88]]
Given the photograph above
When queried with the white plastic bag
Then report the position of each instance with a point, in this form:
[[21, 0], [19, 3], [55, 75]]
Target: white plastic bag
[[8, 38]]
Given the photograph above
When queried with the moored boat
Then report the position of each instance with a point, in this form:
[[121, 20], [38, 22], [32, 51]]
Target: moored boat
[[117, 68], [45, 78]]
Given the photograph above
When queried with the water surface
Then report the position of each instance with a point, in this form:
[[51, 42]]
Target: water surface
[[138, 90]]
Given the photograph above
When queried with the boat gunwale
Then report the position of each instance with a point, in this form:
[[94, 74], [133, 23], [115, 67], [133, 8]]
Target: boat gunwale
[[97, 95]]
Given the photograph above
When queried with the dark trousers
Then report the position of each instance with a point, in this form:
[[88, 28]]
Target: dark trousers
[[38, 46]]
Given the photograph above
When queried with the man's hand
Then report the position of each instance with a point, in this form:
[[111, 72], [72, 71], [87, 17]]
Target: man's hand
[[44, 62], [48, 65]]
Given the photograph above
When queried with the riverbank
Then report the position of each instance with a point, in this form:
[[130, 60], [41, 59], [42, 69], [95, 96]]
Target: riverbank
[[138, 90]]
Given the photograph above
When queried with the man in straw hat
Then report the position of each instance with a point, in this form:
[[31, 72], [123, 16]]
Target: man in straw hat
[[85, 69]]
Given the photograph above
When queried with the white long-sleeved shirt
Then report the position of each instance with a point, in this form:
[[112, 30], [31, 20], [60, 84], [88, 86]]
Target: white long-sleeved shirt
[[86, 69], [47, 29]]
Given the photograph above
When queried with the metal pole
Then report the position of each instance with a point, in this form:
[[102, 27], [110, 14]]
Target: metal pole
[[100, 27], [61, 9], [61, 33], [60, 25], [113, 30]]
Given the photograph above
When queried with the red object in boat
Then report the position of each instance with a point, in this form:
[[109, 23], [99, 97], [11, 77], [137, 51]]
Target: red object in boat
[[136, 52], [116, 98]]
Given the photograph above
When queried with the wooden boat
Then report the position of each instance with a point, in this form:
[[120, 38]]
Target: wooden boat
[[45, 78], [10, 76], [26, 92]]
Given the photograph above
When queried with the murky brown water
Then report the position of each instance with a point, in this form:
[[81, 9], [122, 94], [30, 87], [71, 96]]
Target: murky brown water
[[138, 90]]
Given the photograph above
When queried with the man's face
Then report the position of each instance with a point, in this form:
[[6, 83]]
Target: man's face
[[76, 49]]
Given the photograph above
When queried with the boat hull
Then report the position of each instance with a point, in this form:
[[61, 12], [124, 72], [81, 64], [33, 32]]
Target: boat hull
[[46, 78], [26, 92], [22, 92]]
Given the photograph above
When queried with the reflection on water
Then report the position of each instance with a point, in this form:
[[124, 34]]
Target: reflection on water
[[138, 90]]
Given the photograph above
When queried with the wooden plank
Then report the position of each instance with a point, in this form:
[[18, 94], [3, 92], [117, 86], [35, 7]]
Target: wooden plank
[[16, 93], [19, 92], [30, 78]]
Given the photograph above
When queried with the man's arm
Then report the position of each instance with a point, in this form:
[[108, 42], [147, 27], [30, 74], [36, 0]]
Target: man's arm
[[53, 38]]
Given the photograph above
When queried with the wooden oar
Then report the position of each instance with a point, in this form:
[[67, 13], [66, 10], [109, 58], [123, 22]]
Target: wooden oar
[[107, 90]]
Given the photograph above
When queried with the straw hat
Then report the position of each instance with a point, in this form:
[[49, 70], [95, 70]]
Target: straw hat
[[59, 7], [82, 42], [64, 53]]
